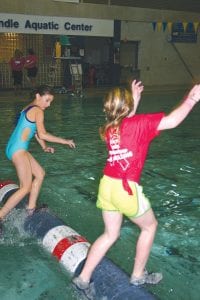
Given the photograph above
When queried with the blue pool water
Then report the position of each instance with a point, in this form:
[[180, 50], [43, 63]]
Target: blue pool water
[[170, 179]]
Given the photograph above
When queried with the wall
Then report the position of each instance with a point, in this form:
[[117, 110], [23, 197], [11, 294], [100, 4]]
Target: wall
[[159, 63]]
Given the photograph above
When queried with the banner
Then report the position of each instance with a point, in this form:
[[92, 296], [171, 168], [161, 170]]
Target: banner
[[162, 25], [34, 24], [186, 26], [196, 25]]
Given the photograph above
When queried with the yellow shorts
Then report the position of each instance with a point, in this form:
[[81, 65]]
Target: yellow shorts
[[113, 197]]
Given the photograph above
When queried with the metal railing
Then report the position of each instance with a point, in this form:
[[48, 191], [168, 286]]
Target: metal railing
[[48, 73]]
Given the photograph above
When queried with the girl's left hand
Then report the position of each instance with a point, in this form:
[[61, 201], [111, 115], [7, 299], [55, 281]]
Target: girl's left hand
[[137, 89], [49, 150], [194, 93]]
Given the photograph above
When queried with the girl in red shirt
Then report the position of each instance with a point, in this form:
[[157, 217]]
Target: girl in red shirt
[[128, 137], [17, 65], [31, 66]]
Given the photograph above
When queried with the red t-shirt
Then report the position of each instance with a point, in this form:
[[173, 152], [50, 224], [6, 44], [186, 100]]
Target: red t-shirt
[[17, 64], [31, 61], [128, 147]]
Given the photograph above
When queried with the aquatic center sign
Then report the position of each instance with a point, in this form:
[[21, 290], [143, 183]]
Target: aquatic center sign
[[34, 24]]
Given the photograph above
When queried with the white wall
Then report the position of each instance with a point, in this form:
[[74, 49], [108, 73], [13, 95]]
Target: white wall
[[159, 63]]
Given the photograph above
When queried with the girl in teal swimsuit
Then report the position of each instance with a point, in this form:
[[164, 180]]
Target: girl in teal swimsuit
[[29, 171], [15, 142]]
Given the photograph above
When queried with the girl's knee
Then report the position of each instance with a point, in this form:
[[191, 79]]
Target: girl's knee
[[43, 174], [153, 226], [113, 237], [25, 189], [156, 223], [40, 176]]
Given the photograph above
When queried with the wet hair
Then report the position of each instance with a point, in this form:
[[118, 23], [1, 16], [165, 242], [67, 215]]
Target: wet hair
[[118, 103], [42, 90]]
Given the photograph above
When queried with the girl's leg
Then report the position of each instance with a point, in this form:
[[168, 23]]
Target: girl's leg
[[38, 173], [148, 224], [22, 164], [112, 222]]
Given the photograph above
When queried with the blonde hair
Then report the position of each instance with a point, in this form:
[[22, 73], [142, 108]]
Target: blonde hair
[[117, 105]]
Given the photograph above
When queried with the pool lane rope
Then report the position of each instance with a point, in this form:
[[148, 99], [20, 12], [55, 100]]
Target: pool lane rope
[[70, 249]]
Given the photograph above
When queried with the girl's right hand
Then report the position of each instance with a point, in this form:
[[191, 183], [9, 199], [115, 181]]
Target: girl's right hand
[[70, 143], [49, 149], [137, 89]]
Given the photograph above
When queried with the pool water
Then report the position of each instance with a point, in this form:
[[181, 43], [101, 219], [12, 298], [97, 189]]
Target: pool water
[[170, 180]]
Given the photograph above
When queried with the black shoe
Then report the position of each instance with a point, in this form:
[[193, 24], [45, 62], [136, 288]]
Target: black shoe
[[31, 211], [147, 278], [42, 207], [85, 287]]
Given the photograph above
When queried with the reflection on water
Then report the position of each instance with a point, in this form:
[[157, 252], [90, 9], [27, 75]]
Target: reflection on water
[[170, 180]]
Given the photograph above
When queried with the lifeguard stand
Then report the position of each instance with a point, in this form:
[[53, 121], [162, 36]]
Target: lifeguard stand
[[76, 73]]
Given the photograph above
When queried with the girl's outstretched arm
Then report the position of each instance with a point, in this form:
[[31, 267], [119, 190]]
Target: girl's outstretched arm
[[180, 113], [44, 135], [137, 89], [44, 145]]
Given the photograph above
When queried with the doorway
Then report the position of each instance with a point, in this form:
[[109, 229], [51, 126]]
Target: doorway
[[129, 61]]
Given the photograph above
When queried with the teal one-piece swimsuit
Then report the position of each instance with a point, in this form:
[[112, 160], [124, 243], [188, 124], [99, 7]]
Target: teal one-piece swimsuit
[[15, 142]]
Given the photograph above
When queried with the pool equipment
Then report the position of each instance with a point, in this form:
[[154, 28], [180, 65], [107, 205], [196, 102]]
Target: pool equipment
[[70, 249]]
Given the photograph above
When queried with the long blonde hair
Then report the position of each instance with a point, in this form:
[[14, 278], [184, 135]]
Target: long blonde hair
[[117, 105]]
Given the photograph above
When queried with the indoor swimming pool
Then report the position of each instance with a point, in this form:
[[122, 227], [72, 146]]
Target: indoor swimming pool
[[170, 179]]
